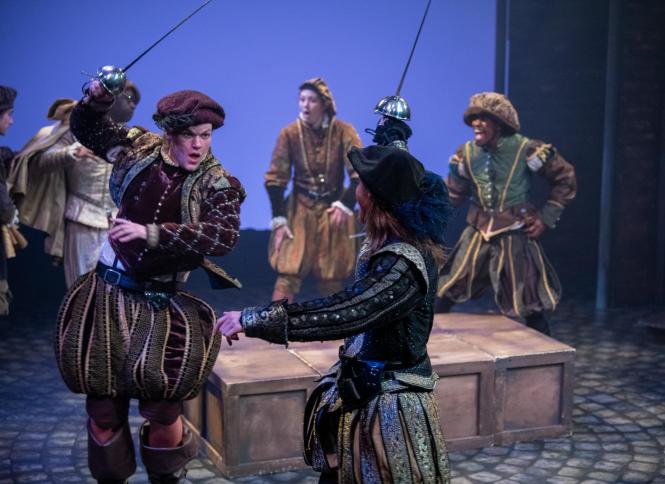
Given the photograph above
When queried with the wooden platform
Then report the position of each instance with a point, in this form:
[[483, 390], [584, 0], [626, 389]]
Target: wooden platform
[[500, 382]]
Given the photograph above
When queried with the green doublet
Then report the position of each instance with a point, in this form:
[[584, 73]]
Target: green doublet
[[494, 251], [501, 178]]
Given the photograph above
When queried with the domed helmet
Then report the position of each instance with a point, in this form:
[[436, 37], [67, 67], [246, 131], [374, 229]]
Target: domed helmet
[[393, 107]]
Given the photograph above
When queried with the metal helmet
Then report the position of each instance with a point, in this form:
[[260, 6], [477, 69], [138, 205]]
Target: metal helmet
[[394, 107], [112, 78]]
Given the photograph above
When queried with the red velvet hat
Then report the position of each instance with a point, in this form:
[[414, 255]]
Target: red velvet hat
[[183, 109]]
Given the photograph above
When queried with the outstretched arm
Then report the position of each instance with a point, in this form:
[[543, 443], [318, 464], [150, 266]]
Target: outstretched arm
[[66, 151], [391, 289]]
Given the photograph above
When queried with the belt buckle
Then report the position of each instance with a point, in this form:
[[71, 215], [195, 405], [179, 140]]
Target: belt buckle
[[114, 280]]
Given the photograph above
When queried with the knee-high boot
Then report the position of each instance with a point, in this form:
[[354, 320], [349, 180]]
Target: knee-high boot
[[167, 465], [112, 462]]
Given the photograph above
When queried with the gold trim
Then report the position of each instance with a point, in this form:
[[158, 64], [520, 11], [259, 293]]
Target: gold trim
[[501, 257], [556, 204], [166, 157], [134, 133], [107, 340], [82, 359], [162, 356], [512, 172], [488, 234], [329, 146], [543, 148], [512, 274], [328, 143], [462, 265], [467, 150], [544, 275], [473, 268]]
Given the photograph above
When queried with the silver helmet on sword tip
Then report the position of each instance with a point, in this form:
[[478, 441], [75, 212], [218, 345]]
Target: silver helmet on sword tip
[[112, 78], [393, 107]]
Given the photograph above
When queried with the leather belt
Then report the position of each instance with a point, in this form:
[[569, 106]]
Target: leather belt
[[328, 196], [117, 277]]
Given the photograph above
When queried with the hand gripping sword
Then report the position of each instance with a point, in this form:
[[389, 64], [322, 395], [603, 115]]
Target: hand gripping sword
[[396, 106], [114, 78]]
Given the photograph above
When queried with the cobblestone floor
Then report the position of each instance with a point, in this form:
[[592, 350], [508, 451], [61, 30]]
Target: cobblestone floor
[[619, 412]]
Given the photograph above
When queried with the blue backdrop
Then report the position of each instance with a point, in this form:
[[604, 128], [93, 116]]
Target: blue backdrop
[[251, 56]]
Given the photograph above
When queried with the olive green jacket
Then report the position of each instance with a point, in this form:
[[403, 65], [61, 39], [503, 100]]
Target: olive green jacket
[[498, 183]]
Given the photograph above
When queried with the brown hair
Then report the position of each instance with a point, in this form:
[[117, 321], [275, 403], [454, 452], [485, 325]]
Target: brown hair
[[380, 224]]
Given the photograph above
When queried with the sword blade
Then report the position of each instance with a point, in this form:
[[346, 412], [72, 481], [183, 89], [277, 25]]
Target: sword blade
[[413, 48], [165, 36]]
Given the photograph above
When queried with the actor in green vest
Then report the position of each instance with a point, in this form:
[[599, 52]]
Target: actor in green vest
[[500, 246]]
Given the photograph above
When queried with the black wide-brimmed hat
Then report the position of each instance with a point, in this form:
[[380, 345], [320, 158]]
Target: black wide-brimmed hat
[[391, 174], [418, 198]]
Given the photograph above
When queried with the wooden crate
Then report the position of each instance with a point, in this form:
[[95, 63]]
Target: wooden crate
[[255, 401], [500, 382], [533, 375], [464, 392]]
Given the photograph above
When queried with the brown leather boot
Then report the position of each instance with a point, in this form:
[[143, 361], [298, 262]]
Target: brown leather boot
[[112, 462], [167, 465]]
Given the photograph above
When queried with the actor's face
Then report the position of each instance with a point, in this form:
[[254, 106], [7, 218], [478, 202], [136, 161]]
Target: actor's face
[[364, 200], [189, 147], [6, 120], [311, 107], [485, 131], [123, 107]]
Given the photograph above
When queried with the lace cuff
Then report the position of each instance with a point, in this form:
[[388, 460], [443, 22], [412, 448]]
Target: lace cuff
[[342, 207], [278, 222]]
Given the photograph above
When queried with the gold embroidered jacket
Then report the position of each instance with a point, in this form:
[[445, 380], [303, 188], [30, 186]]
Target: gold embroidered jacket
[[315, 160]]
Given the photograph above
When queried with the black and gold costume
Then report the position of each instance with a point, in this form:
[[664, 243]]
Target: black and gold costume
[[373, 417]]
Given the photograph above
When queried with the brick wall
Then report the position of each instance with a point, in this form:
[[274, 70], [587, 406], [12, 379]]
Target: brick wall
[[639, 157], [556, 80]]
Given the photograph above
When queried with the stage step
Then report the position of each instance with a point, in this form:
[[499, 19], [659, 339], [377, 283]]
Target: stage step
[[500, 382]]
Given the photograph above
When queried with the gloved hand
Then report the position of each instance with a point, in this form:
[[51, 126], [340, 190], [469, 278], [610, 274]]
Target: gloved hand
[[389, 130]]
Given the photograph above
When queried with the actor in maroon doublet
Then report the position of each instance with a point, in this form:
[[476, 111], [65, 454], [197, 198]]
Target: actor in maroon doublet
[[125, 330]]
